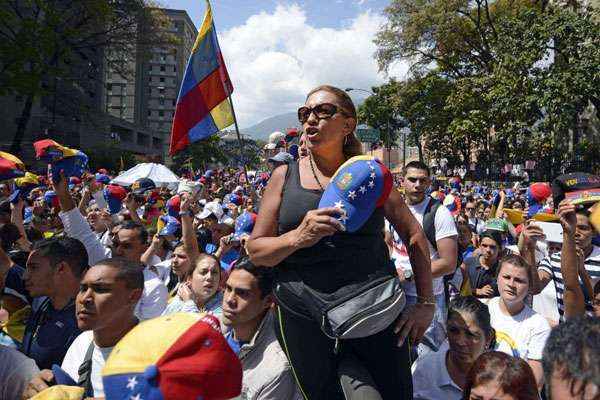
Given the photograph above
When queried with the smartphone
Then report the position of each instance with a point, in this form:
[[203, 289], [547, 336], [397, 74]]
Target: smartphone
[[552, 230]]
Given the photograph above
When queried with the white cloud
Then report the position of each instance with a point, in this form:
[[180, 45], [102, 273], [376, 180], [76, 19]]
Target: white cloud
[[275, 59]]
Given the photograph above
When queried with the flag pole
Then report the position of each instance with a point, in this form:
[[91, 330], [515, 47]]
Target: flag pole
[[240, 142]]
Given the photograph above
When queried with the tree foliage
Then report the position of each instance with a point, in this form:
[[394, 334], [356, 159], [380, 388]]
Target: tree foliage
[[495, 79]]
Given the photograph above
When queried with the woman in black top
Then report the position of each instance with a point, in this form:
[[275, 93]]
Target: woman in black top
[[311, 252]]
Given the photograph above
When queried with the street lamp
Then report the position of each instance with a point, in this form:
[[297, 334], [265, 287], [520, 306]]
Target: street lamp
[[361, 90]]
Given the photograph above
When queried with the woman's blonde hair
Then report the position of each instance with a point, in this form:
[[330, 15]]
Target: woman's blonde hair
[[352, 146]]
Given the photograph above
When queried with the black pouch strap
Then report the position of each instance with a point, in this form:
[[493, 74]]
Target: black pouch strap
[[85, 372]]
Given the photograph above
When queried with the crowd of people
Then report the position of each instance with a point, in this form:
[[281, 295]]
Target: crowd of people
[[321, 276]]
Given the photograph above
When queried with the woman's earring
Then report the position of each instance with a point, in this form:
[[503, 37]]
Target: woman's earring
[[346, 140]]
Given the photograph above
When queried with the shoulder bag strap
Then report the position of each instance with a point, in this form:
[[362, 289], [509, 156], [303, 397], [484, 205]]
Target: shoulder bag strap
[[85, 372]]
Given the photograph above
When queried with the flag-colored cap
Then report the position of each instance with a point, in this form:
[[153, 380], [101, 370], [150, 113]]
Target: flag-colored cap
[[357, 188], [24, 186], [102, 178], [51, 199], [10, 166], [60, 392], [173, 206], [178, 356], [172, 227], [452, 203], [244, 224], [114, 196]]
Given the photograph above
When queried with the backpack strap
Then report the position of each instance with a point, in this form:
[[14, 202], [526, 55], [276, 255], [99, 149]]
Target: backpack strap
[[429, 221], [85, 372]]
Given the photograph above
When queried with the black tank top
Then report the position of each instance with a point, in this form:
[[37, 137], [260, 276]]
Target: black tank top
[[336, 265]]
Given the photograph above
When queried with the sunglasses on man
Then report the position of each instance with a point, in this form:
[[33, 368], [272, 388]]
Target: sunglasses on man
[[321, 111]]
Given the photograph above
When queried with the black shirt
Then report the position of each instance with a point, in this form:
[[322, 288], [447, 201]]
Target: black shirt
[[480, 276]]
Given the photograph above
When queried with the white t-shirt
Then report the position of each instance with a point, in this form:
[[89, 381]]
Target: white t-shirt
[[523, 335], [76, 354], [431, 380], [444, 227], [154, 297]]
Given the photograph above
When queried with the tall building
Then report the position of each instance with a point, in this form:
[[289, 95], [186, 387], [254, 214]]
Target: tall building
[[149, 95]]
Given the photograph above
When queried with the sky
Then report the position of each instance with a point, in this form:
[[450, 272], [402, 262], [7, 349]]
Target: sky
[[276, 51]]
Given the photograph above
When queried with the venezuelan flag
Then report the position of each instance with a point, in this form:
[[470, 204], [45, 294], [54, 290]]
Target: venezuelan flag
[[50, 151], [10, 166], [203, 107]]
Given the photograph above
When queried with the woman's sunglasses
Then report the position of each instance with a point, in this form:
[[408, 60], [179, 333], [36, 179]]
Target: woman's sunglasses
[[321, 111]]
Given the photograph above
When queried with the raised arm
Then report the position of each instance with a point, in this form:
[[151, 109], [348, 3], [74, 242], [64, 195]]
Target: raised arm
[[572, 295], [16, 218], [527, 244], [190, 242]]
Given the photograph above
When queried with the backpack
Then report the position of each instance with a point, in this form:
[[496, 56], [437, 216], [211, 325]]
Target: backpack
[[429, 221]]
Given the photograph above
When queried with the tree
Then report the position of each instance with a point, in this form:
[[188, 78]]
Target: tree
[[63, 45], [111, 157], [522, 70]]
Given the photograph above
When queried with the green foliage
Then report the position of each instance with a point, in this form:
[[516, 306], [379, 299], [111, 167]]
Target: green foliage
[[494, 79]]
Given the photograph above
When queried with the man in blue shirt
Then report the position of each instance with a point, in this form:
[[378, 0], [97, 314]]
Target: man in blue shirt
[[54, 270]]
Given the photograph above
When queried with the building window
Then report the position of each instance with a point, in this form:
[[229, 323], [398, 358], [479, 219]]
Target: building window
[[161, 102], [161, 113], [163, 68], [162, 80], [150, 79], [174, 101], [161, 90], [149, 113]]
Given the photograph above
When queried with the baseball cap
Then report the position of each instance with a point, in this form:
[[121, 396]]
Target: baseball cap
[[51, 199], [234, 198], [178, 356], [211, 208], [244, 224], [114, 196], [492, 234], [496, 224], [172, 227], [102, 178], [174, 205], [10, 166], [282, 157], [142, 185], [579, 187], [357, 188]]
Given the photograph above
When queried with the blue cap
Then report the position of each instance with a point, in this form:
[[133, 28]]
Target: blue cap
[[172, 226], [357, 188], [244, 224], [102, 178]]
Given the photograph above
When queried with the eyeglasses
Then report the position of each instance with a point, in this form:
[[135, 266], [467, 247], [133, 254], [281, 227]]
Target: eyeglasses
[[321, 111], [470, 208]]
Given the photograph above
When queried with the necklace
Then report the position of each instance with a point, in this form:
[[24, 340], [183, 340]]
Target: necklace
[[312, 168]]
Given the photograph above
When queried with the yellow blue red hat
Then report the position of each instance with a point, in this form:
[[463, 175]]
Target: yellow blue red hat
[[357, 188], [24, 186], [72, 162], [178, 356], [10, 166]]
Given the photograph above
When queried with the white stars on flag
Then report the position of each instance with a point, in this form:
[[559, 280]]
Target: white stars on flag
[[131, 382]]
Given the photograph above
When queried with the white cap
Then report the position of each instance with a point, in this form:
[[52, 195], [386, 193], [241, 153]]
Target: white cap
[[211, 208], [238, 189], [227, 220]]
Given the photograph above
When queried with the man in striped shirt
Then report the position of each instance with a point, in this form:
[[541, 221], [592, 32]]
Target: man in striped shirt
[[549, 269]]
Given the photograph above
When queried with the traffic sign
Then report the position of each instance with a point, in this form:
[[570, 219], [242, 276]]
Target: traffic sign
[[366, 134]]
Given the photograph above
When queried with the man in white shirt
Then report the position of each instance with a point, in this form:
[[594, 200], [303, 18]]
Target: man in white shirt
[[129, 242], [105, 306], [416, 180]]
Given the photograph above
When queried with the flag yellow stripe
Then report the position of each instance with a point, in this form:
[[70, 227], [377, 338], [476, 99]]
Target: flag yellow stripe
[[206, 26], [222, 114]]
